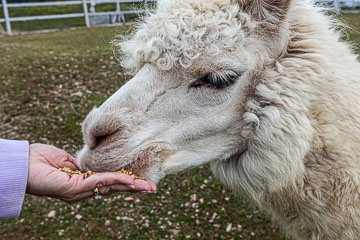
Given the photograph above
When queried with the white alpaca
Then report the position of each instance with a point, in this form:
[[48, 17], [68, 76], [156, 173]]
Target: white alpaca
[[263, 89]]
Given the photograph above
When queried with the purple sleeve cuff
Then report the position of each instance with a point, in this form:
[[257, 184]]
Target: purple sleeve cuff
[[14, 157]]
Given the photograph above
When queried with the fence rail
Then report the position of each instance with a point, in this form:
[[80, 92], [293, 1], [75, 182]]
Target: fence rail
[[86, 14], [338, 5]]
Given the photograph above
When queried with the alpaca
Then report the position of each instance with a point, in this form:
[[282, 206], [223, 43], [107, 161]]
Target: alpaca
[[264, 90]]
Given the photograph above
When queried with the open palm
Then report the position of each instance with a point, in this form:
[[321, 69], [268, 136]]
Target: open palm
[[44, 178]]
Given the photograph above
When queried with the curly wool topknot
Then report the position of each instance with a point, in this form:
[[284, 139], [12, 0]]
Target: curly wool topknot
[[181, 30]]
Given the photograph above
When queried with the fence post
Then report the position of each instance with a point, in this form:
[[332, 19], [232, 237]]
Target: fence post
[[118, 10], [86, 13], [6, 16], [337, 6], [92, 6]]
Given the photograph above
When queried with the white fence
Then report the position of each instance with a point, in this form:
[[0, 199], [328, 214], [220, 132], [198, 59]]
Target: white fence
[[341, 4], [338, 5], [86, 14], [349, 3]]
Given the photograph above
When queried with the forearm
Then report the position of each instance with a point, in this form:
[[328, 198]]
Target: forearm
[[14, 157]]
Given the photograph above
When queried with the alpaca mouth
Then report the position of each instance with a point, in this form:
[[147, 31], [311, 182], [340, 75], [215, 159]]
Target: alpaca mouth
[[150, 157], [141, 162]]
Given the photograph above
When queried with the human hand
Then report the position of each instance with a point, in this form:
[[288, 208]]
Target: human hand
[[44, 178]]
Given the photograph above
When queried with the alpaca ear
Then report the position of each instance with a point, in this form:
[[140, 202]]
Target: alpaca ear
[[268, 11], [272, 17]]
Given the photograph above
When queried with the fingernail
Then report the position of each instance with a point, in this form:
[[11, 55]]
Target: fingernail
[[131, 186]]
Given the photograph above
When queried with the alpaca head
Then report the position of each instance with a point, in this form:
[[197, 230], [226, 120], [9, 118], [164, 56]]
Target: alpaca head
[[195, 63]]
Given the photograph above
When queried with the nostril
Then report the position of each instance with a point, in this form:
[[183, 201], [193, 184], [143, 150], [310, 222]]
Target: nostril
[[100, 139], [97, 140], [98, 128]]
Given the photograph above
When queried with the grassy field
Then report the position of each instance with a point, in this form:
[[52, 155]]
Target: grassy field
[[353, 21], [60, 23], [48, 83]]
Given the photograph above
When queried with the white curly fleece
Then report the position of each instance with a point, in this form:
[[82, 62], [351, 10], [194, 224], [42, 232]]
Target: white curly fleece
[[185, 34]]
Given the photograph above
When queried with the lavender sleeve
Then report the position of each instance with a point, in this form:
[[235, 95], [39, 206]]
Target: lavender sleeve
[[14, 157]]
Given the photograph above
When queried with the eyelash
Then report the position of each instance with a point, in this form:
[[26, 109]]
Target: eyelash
[[216, 80]]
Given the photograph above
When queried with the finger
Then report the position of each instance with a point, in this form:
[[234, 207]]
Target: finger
[[72, 160], [141, 185], [106, 190], [153, 186], [69, 164], [68, 160], [79, 197], [106, 179]]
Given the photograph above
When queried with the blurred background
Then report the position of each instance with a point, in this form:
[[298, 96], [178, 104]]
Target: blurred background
[[56, 64]]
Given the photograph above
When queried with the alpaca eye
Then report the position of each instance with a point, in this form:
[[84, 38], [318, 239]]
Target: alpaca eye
[[216, 80]]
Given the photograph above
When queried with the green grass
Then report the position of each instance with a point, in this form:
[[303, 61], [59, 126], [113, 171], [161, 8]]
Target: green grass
[[38, 75], [353, 21]]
